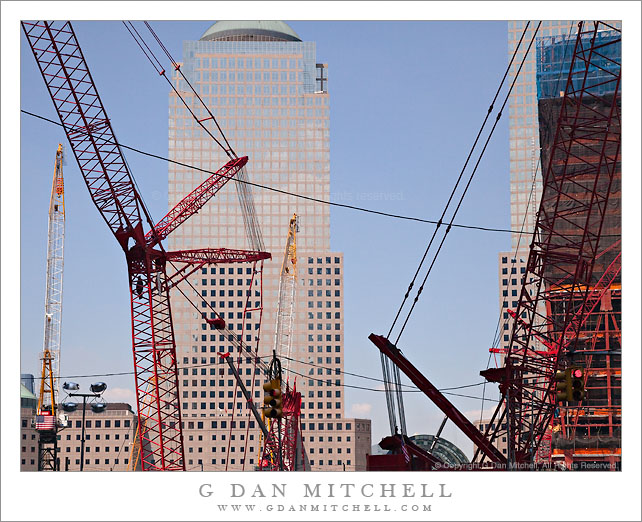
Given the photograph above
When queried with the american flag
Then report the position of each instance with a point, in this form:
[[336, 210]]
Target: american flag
[[45, 422]]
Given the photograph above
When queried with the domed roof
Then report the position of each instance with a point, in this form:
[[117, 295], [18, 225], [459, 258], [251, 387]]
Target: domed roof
[[271, 30]]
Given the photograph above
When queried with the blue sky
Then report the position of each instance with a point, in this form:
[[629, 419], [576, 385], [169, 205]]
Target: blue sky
[[407, 99]]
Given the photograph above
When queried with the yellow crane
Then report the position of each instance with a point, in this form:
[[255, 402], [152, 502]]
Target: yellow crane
[[46, 421], [285, 306]]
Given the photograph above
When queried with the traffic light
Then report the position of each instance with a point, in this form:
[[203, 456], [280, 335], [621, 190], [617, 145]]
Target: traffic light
[[563, 385], [272, 404], [577, 383]]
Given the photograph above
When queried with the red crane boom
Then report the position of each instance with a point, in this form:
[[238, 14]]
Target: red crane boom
[[111, 186]]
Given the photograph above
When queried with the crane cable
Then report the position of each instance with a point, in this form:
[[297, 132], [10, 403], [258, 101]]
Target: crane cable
[[470, 179], [252, 227], [386, 364], [531, 200], [399, 392], [149, 54], [452, 194]]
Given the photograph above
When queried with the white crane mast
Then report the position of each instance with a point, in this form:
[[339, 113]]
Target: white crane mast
[[285, 307], [55, 262]]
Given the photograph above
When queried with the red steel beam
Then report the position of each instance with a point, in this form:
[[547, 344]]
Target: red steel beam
[[419, 380]]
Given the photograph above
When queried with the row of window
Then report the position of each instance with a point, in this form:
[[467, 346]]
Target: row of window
[[87, 461], [223, 406], [241, 449], [249, 101], [328, 304], [330, 426], [328, 405], [247, 63], [256, 76], [96, 436], [513, 260], [337, 338], [213, 371], [328, 326], [98, 449], [311, 382], [513, 270], [328, 271], [311, 450], [230, 304], [104, 423], [221, 282], [328, 282], [339, 462], [337, 293]]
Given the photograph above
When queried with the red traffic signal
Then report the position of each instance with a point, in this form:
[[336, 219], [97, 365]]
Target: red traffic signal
[[577, 383]]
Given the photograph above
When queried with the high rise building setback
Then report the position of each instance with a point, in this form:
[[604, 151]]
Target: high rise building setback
[[270, 96]]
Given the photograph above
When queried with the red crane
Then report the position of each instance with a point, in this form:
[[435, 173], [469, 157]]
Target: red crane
[[559, 289], [583, 164], [112, 188]]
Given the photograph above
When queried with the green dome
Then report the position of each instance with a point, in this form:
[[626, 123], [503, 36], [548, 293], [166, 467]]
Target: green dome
[[271, 30]]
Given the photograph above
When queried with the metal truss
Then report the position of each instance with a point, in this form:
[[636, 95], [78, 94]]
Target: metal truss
[[111, 186]]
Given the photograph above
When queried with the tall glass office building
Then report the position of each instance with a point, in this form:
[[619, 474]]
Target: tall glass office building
[[270, 96]]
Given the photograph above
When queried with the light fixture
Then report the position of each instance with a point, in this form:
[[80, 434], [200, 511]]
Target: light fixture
[[98, 387], [71, 386], [69, 406], [98, 407]]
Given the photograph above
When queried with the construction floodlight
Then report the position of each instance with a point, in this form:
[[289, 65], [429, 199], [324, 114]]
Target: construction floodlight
[[71, 386], [69, 407], [98, 407], [98, 387]]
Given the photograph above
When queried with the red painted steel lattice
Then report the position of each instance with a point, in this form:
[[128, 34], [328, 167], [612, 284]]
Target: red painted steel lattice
[[283, 440], [584, 161], [112, 189]]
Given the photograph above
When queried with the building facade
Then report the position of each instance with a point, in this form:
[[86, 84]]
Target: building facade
[[270, 97], [28, 434], [109, 437]]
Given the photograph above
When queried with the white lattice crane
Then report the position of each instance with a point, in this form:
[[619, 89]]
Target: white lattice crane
[[285, 306], [46, 422]]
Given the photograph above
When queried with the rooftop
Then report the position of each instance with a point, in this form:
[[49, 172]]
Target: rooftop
[[271, 30]]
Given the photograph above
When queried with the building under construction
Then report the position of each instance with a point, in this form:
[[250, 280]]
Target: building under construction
[[587, 434]]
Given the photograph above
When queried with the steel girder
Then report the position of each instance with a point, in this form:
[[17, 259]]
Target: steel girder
[[577, 184]]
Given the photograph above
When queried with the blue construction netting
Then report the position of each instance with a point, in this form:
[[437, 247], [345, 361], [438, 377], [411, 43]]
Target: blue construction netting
[[554, 55]]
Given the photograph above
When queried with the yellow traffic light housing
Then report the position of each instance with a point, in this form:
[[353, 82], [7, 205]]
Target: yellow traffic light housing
[[272, 403], [577, 383], [563, 388]]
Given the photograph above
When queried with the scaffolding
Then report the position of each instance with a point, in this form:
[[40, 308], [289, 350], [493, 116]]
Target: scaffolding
[[588, 432]]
